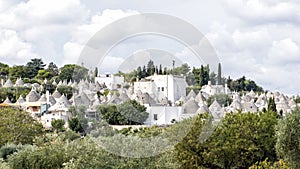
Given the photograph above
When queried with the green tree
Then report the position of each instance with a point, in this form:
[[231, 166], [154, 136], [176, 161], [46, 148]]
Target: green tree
[[17, 72], [33, 67], [238, 142], [132, 113], [219, 76], [127, 113], [272, 105], [201, 75], [52, 69], [58, 125], [17, 126], [43, 74], [96, 72], [150, 68], [182, 70], [222, 99], [66, 90], [160, 72], [48, 86], [73, 72], [266, 164], [4, 70], [213, 78], [75, 125], [109, 113], [288, 138]]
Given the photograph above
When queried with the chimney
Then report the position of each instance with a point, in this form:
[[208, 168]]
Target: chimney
[[226, 88], [47, 96]]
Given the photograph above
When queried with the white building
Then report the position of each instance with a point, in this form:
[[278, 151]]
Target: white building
[[160, 115], [111, 81], [60, 110], [215, 89], [162, 86]]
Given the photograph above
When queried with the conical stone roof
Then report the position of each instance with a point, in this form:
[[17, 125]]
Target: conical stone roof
[[7, 100], [190, 107], [56, 94], [43, 98], [19, 82], [32, 96], [8, 83], [191, 94]]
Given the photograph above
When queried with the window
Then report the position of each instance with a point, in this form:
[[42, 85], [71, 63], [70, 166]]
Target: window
[[155, 116], [158, 88], [34, 108], [162, 88]]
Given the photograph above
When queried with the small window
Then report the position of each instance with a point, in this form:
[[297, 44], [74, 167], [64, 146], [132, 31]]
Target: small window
[[53, 114], [155, 116], [162, 89], [158, 88]]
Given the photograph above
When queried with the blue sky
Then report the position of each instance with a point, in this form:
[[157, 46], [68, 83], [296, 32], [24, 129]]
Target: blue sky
[[256, 38]]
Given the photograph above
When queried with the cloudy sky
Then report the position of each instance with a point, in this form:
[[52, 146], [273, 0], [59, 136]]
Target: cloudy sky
[[256, 38]]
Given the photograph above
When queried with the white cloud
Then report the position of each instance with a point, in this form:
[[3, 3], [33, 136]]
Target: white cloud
[[259, 11], [283, 52], [13, 49], [37, 12], [266, 54], [256, 38], [82, 33], [110, 64]]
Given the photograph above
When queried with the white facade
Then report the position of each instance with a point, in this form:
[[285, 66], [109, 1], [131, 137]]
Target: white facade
[[110, 80], [215, 89], [57, 111], [160, 115], [162, 86]]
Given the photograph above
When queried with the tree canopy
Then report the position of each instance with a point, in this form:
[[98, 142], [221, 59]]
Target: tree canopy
[[288, 138], [127, 113], [18, 126]]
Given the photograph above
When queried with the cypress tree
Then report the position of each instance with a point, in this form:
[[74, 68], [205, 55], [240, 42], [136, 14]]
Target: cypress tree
[[219, 77], [272, 105]]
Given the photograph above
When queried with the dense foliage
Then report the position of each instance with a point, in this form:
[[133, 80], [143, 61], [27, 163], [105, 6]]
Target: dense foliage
[[243, 84], [13, 93], [238, 142], [127, 113], [241, 140], [288, 138], [17, 126], [222, 99]]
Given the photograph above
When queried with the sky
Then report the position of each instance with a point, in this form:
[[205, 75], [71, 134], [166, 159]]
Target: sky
[[259, 39]]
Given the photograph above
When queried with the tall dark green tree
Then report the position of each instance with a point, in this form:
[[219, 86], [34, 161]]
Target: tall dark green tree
[[34, 66], [150, 68], [160, 72], [219, 76], [96, 72], [52, 69], [272, 105]]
